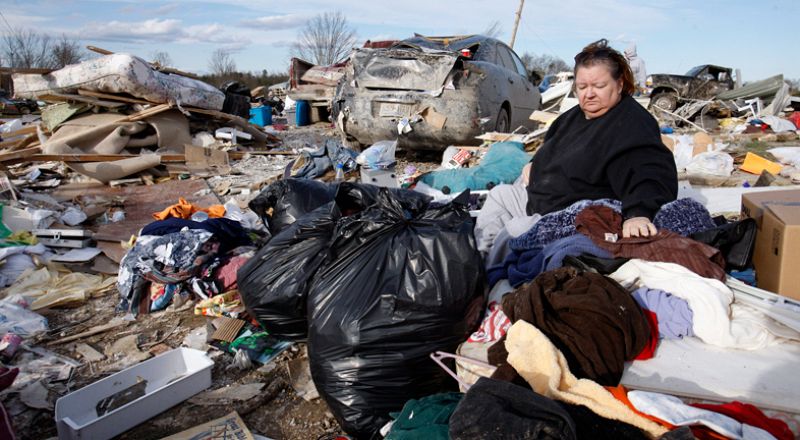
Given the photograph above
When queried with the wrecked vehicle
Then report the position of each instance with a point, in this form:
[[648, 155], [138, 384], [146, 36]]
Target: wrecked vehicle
[[9, 106], [700, 82], [430, 92]]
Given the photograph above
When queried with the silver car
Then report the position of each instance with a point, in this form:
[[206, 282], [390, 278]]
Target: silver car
[[431, 92]]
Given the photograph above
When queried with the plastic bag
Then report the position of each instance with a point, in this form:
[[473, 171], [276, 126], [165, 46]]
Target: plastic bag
[[379, 155], [787, 155], [684, 148], [290, 199], [400, 285], [714, 163], [19, 320], [274, 283]]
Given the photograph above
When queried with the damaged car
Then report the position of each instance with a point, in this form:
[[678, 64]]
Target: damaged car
[[701, 82], [430, 92]]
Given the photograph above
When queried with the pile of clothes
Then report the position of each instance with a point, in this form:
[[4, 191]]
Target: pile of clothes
[[187, 252], [571, 302]]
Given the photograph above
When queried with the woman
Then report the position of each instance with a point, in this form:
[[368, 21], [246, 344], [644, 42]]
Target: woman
[[608, 146]]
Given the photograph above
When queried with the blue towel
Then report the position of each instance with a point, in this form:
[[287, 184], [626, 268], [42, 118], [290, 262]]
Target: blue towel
[[503, 163]]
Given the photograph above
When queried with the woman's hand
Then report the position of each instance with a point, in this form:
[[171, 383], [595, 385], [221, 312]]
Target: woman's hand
[[638, 227]]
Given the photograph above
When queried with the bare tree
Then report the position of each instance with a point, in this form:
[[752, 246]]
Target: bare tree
[[161, 58], [545, 64], [26, 49], [493, 30], [65, 51], [221, 64], [325, 39]]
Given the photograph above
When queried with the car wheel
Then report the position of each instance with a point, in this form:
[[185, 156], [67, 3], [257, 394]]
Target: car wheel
[[665, 100], [24, 110], [502, 124]]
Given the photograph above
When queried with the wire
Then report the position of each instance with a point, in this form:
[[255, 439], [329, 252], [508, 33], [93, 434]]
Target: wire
[[6, 22]]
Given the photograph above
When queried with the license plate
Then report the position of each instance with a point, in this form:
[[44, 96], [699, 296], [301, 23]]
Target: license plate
[[392, 109]]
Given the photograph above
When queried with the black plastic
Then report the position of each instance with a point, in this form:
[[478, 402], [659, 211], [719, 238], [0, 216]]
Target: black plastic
[[736, 241], [289, 200], [274, 283], [399, 286]]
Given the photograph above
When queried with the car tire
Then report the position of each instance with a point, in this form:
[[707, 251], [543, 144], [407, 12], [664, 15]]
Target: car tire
[[665, 100], [503, 122], [24, 110]]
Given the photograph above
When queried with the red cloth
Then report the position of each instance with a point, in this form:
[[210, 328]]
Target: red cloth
[[750, 415], [649, 350], [795, 118]]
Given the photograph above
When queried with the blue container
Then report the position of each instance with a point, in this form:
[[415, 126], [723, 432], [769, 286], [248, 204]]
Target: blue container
[[261, 116], [303, 115]]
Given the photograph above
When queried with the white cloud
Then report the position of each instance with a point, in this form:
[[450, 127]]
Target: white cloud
[[277, 22], [163, 31]]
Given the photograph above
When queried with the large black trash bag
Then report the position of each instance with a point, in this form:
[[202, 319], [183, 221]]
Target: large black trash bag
[[398, 287], [290, 199], [274, 283]]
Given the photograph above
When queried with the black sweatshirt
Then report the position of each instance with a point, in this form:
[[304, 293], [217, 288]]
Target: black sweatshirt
[[618, 155]]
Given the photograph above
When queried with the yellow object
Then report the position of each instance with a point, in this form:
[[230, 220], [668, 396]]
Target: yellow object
[[49, 288], [753, 163], [184, 210]]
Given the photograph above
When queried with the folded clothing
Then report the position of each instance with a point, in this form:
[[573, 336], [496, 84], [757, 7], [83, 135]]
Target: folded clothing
[[597, 222], [672, 410], [717, 319], [545, 369], [523, 266], [674, 315], [683, 216], [595, 323], [494, 409]]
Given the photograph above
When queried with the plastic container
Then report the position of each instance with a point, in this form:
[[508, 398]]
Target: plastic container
[[303, 113], [339, 173], [172, 377], [261, 116]]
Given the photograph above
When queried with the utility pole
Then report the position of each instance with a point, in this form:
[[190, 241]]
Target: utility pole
[[516, 23]]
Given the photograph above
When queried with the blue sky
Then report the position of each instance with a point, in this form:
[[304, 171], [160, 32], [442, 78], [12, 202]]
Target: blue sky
[[671, 35]]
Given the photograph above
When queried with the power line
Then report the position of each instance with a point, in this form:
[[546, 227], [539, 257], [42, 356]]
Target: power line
[[6, 22]]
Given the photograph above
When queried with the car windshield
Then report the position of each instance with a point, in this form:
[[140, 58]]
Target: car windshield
[[695, 70], [454, 45]]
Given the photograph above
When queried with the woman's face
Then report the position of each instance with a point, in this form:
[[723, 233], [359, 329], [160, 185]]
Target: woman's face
[[598, 92]]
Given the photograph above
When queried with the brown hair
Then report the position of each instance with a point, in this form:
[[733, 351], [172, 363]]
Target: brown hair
[[599, 52]]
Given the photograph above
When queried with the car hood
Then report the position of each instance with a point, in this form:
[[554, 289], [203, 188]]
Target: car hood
[[402, 68], [664, 77]]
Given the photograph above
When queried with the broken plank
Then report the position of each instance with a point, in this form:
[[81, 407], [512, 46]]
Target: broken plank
[[62, 97], [21, 154], [113, 97], [91, 332]]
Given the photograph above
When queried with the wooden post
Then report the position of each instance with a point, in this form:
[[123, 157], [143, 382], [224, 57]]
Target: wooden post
[[516, 23]]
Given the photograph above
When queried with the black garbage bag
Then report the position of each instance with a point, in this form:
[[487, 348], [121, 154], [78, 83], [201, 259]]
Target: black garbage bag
[[237, 99], [274, 283], [289, 200], [399, 286]]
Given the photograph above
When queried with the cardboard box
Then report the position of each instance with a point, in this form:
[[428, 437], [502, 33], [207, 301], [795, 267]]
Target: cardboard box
[[777, 252]]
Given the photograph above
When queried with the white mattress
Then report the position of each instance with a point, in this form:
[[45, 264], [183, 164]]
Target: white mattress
[[121, 73]]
